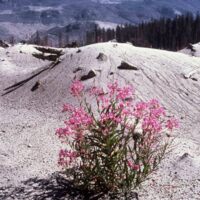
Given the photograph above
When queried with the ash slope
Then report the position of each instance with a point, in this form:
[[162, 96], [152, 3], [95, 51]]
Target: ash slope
[[28, 147]]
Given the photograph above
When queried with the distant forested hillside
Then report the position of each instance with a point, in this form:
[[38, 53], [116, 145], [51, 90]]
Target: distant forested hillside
[[171, 34]]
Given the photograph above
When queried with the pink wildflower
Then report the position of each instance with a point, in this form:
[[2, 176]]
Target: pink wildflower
[[158, 112], [133, 166], [63, 132], [154, 103], [172, 123], [67, 108], [121, 105], [96, 91], [151, 124], [113, 87], [66, 157], [79, 136], [124, 93], [104, 100], [110, 116], [125, 107], [140, 109], [76, 88], [79, 117], [127, 112]]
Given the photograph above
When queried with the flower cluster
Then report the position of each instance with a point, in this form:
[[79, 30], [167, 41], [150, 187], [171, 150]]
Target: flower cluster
[[115, 143], [172, 123], [76, 88], [66, 158], [133, 166], [78, 121]]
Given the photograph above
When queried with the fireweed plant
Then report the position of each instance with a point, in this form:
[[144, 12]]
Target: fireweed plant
[[115, 144]]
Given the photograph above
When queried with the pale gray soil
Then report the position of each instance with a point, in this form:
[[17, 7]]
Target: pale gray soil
[[28, 119]]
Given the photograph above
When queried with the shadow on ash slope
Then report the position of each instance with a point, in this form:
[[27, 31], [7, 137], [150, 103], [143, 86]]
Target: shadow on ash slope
[[34, 84]]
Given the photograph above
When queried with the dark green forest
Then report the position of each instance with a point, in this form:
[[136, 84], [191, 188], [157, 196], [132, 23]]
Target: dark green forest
[[165, 33], [170, 34]]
